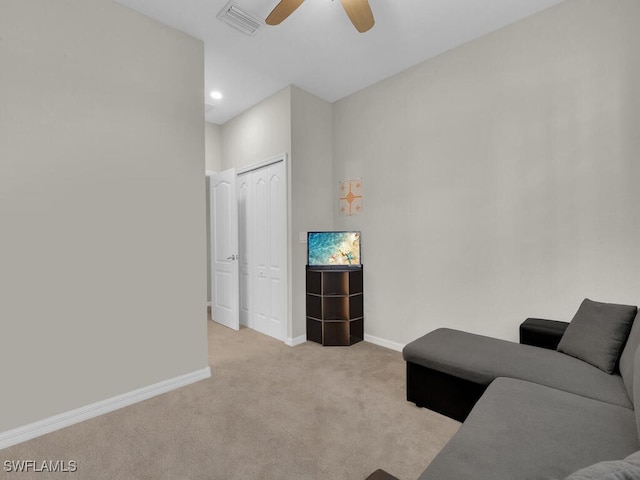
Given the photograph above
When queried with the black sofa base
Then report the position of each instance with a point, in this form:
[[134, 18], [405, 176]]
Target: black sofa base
[[442, 393], [542, 333]]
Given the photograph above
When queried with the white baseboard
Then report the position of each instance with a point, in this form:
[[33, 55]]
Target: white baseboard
[[383, 343], [51, 424], [292, 342]]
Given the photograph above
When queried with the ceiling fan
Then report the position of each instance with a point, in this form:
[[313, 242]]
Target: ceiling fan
[[359, 13]]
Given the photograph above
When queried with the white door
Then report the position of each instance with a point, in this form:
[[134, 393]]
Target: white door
[[275, 264], [263, 248], [224, 249]]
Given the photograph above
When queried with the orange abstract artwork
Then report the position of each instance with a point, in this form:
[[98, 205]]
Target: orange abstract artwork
[[351, 197]]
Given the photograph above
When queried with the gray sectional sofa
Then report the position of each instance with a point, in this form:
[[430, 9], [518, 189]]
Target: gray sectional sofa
[[537, 413]]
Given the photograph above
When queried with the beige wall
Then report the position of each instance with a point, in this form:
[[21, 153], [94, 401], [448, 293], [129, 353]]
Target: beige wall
[[311, 187], [212, 147], [501, 178], [102, 250], [213, 163], [260, 133]]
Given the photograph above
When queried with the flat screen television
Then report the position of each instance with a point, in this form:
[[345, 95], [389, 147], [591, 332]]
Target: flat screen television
[[334, 250]]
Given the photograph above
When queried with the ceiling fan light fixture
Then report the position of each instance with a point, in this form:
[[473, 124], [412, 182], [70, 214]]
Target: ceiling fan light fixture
[[282, 11], [359, 13]]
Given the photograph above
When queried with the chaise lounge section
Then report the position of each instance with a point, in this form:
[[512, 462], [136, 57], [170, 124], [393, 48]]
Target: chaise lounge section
[[531, 412]]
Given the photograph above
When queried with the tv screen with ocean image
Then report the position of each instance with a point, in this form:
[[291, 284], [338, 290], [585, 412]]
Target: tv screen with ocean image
[[333, 249]]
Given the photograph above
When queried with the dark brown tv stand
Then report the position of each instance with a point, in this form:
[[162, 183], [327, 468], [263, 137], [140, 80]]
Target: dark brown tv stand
[[335, 310]]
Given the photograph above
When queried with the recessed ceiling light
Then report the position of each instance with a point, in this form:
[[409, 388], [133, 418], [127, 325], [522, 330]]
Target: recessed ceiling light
[[216, 95]]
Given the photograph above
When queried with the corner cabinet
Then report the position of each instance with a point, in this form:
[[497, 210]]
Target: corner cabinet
[[335, 309]]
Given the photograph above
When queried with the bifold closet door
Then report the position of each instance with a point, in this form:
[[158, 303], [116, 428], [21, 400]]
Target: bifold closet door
[[244, 182], [263, 239]]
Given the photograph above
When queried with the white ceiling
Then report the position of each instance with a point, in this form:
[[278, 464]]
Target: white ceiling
[[317, 48]]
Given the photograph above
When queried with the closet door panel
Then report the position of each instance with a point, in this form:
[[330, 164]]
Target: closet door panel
[[277, 251], [261, 247], [244, 250]]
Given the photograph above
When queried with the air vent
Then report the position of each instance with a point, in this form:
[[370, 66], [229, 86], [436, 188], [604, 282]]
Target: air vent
[[239, 18]]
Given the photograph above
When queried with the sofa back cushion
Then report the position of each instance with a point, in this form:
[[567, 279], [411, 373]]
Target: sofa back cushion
[[598, 332], [627, 358]]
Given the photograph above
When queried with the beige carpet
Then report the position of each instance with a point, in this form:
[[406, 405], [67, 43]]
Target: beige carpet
[[268, 412]]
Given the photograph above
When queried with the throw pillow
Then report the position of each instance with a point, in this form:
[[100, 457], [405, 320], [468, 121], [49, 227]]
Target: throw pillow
[[611, 470], [598, 332]]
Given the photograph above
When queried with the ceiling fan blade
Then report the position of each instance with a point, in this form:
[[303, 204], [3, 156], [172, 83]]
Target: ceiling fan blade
[[282, 11], [360, 14]]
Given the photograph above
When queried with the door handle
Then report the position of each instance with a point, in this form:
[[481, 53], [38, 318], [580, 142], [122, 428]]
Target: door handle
[[232, 257]]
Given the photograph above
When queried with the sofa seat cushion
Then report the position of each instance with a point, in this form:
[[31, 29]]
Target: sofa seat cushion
[[481, 359], [528, 431]]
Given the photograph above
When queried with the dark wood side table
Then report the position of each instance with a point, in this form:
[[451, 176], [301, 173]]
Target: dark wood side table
[[335, 308]]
